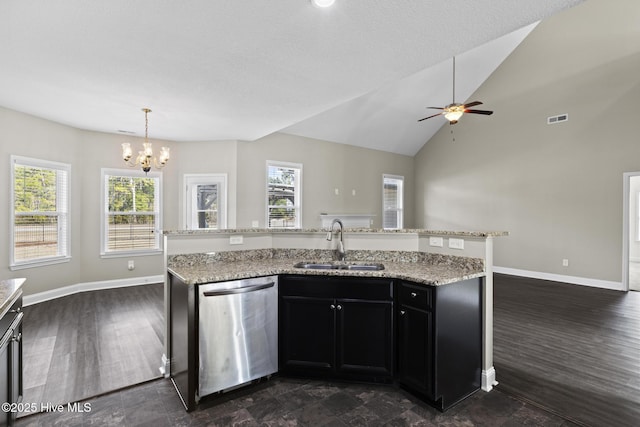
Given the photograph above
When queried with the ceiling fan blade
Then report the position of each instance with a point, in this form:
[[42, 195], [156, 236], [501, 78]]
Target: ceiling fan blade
[[436, 108], [439, 114], [472, 104], [485, 112]]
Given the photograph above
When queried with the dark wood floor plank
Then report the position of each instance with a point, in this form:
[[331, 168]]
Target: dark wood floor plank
[[572, 349], [86, 344]]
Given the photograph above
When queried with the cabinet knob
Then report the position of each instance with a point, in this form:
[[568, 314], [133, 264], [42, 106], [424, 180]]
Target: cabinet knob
[[413, 295], [333, 307], [402, 312], [339, 307]]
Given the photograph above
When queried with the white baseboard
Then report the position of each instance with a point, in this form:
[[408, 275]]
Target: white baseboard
[[489, 379], [89, 286], [574, 280]]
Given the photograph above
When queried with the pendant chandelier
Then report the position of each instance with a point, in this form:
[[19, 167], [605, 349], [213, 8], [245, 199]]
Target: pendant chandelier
[[145, 157]]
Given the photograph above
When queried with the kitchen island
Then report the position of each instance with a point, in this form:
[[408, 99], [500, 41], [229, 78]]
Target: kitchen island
[[416, 323]]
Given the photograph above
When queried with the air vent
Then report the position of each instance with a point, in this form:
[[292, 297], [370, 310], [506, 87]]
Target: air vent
[[557, 119]]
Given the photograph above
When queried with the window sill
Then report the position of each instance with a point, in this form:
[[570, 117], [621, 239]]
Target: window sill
[[39, 263]]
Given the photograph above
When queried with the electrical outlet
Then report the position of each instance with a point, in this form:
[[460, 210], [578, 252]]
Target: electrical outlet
[[236, 240], [436, 241], [565, 262], [131, 265], [456, 243]]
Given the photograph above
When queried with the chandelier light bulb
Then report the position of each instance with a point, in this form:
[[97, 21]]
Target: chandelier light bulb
[[145, 157]]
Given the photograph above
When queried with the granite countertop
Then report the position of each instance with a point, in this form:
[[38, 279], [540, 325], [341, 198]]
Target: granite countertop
[[10, 290], [469, 234], [424, 268]]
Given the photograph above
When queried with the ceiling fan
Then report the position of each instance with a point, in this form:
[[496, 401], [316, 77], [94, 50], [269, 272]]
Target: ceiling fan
[[454, 111]]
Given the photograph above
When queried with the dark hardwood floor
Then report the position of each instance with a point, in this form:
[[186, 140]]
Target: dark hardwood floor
[[564, 355], [295, 402], [572, 349], [86, 344]]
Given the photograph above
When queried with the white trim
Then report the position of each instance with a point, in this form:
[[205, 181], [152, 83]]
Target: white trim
[[104, 211], [489, 379], [89, 286], [297, 191], [165, 366], [400, 198], [191, 179], [574, 280], [63, 182]]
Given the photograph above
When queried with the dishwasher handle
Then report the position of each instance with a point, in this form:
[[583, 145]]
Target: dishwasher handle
[[242, 290]]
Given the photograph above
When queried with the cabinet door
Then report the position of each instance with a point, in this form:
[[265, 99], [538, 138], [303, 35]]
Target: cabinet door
[[364, 338], [306, 335], [5, 372], [415, 349]]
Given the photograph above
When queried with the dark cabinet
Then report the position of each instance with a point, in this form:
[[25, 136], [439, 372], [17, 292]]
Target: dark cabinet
[[11, 361], [440, 340], [415, 349], [336, 327]]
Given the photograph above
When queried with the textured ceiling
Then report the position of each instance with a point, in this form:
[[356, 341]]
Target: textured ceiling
[[242, 69]]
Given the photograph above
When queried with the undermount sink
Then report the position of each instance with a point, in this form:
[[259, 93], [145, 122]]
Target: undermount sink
[[362, 266]]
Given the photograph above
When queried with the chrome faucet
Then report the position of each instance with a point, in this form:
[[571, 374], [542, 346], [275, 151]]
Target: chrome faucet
[[340, 247]]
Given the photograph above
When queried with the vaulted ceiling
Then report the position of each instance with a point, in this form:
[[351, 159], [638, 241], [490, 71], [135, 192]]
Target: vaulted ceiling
[[360, 72]]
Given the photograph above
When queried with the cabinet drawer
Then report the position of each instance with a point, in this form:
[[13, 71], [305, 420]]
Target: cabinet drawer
[[337, 287], [415, 296]]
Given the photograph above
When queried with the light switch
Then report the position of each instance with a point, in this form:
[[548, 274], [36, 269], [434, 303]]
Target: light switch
[[436, 241], [456, 243], [235, 240]]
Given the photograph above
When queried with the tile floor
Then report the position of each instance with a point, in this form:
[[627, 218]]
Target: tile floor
[[295, 402]]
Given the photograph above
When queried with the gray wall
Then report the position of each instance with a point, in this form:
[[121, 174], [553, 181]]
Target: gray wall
[[87, 152], [325, 166], [556, 188]]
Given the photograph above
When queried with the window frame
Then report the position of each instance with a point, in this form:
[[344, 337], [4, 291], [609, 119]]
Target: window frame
[[62, 210], [399, 209], [297, 192], [191, 180], [104, 214]]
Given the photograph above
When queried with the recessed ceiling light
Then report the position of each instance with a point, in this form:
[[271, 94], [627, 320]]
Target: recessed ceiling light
[[322, 3]]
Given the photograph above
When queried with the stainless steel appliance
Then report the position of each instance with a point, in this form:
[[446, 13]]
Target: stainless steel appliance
[[237, 332]]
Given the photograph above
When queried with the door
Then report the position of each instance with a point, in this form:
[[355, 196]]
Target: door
[[307, 335], [205, 201], [415, 349], [364, 337]]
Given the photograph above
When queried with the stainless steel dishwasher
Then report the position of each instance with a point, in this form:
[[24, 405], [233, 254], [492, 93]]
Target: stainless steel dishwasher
[[238, 332]]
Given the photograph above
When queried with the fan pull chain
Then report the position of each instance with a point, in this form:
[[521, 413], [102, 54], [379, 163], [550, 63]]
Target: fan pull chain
[[453, 137]]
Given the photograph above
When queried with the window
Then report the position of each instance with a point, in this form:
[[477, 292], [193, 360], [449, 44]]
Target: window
[[206, 200], [284, 184], [392, 202], [40, 211], [131, 217]]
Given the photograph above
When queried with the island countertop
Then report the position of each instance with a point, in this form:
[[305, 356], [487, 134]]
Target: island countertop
[[10, 290], [424, 268]]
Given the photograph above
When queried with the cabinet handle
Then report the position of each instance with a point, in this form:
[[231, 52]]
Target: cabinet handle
[[339, 307], [17, 338], [17, 310], [413, 295]]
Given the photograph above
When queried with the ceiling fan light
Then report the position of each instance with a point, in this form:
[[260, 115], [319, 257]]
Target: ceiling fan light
[[453, 116], [323, 3]]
